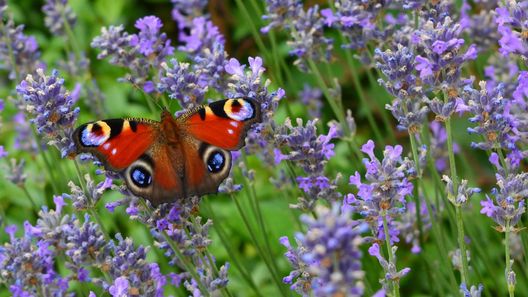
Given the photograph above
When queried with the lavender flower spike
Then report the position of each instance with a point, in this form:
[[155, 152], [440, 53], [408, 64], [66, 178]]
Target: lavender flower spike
[[52, 108], [58, 15], [327, 259]]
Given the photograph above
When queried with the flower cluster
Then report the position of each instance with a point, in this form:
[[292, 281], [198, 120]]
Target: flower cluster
[[311, 152], [327, 259], [28, 263], [59, 16], [51, 107], [183, 84], [184, 11], [141, 53], [509, 198], [383, 196], [205, 47], [512, 20], [408, 106], [391, 272], [305, 27], [19, 53], [185, 239], [491, 111], [356, 21]]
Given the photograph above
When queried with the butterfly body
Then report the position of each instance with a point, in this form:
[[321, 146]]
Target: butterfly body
[[173, 158]]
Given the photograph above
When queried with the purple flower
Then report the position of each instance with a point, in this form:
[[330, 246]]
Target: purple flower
[[311, 98], [424, 66], [182, 84], [391, 272], [490, 111], [59, 16], [461, 195], [142, 53], [509, 196], [190, 236], [512, 21], [3, 152], [399, 66], [185, 11], [52, 108], [83, 200], [19, 53], [472, 292], [120, 287], [311, 152], [440, 56], [357, 22], [383, 196], [327, 259], [305, 28], [148, 37], [142, 277], [521, 90], [279, 13]]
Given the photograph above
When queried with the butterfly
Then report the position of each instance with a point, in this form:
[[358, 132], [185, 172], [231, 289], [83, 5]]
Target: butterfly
[[174, 158]]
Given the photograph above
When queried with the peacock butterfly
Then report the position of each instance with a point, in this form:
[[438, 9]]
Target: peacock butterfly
[[174, 158]]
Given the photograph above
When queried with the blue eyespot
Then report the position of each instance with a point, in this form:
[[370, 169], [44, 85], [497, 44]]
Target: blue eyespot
[[215, 162], [141, 177]]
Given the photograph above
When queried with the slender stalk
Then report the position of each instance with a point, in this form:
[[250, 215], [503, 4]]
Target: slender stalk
[[395, 283], [256, 209], [414, 149], [47, 163], [31, 200], [511, 287], [458, 208], [230, 250], [251, 232], [362, 98]]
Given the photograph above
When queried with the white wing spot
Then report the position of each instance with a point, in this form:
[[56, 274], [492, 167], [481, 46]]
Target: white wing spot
[[230, 131], [106, 146], [114, 151], [234, 124]]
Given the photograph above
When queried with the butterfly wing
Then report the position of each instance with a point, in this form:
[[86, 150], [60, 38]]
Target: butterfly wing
[[223, 123], [116, 142]]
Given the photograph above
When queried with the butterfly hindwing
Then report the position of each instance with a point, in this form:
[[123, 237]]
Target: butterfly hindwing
[[223, 123]]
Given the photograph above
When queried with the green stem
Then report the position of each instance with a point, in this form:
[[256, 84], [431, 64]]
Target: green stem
[[511, 287], [357, 84], [230, 250], [251, 232], [414, 148], [31, 200], [47, 163], [458, 208], [462, 244], [395, 282]]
